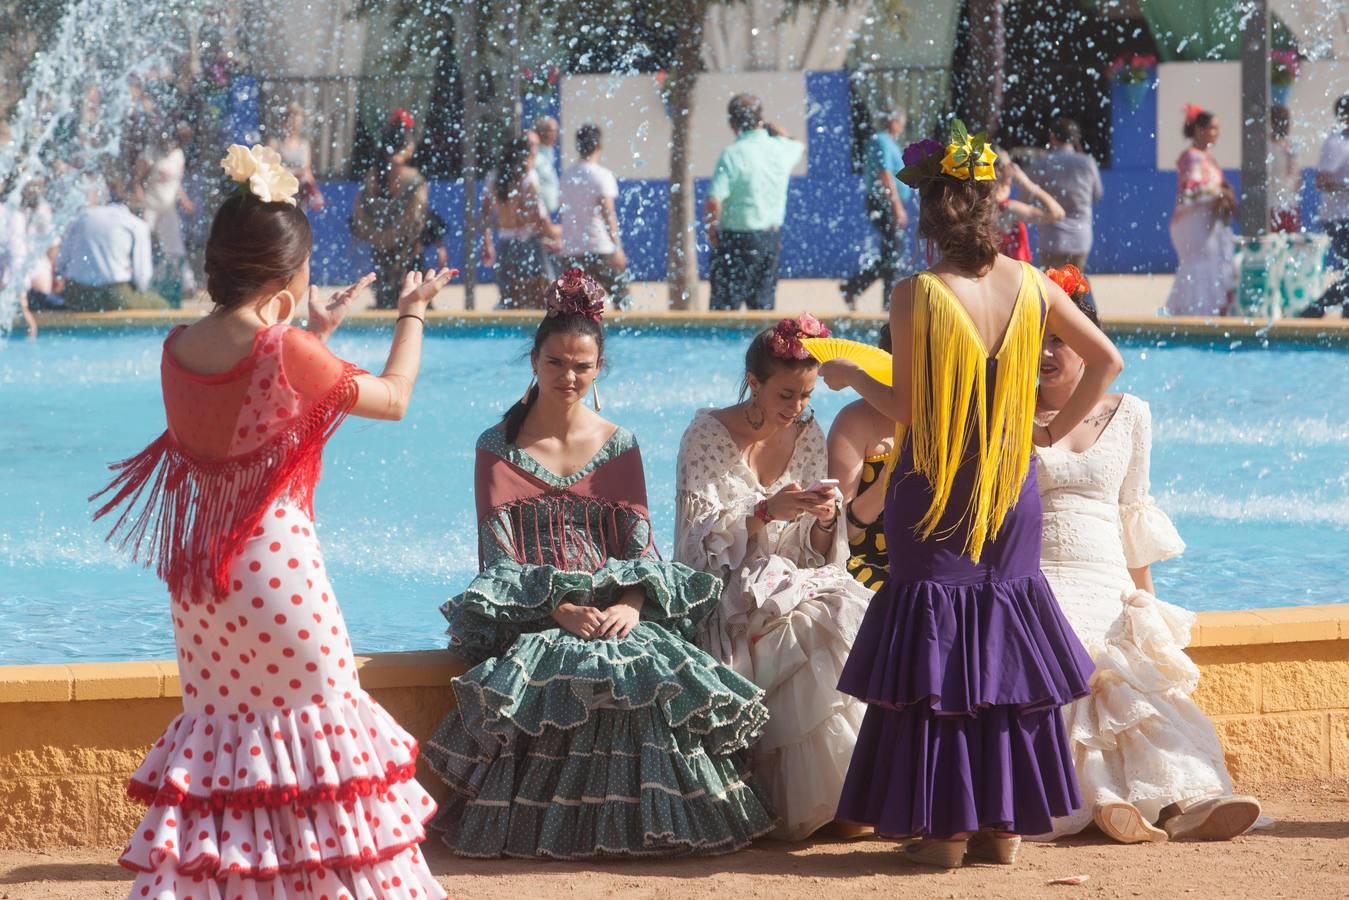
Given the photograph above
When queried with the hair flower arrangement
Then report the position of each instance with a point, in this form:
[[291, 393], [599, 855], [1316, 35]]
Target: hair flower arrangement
[[785, 342], [261, 169], [575, 294], [1070, 279], [963, 157]]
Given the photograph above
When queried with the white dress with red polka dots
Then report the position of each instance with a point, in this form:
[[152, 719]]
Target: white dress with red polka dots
[[281, 778]]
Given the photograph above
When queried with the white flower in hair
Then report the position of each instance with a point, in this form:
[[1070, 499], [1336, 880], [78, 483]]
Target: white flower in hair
[[261, 167]]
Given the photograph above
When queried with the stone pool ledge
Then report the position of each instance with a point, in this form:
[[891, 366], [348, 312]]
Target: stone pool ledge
[[1275, 681], [1320, 331]]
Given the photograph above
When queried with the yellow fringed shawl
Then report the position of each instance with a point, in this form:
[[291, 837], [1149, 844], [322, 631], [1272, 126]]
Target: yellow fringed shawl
[[951, 399]]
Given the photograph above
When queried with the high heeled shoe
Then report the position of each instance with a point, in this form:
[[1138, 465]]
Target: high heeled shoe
[[1000, 849], [936, 852]]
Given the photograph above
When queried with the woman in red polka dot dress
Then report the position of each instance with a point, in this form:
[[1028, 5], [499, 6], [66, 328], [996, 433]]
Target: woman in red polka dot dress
[[281, 778]]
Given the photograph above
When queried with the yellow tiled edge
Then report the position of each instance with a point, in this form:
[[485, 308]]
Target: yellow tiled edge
[[430, 668], [1280, 625]]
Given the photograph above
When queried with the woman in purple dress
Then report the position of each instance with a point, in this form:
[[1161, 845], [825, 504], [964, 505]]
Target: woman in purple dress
[[964, 657]]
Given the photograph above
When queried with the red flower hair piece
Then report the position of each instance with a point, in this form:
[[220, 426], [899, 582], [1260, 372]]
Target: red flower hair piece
[[402, 117], [785, 341], [1192, 112], [575, 294], [1070, 279]]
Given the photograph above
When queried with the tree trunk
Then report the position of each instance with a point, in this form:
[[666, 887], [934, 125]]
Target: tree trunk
[[681, 255], [467, 28], [988, 45]]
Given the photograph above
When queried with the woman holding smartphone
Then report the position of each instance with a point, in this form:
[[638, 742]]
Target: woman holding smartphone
[[755, 510]]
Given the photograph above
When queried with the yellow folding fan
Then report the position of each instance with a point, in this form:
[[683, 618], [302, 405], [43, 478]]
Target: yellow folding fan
[[873, 360]]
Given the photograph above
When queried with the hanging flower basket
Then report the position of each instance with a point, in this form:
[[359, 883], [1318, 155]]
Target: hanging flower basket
[[1134, 73], [1283, 71], [1137, 92]]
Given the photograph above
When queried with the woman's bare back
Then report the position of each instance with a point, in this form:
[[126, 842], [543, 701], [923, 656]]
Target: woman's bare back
[[989, 300]]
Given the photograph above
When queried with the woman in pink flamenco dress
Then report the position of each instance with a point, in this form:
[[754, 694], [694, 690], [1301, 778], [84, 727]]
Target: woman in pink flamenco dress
[[281, 778]]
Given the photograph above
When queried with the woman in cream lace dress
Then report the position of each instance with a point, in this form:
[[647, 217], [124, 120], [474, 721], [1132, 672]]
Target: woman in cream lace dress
[[1148, 760], [789, 610]]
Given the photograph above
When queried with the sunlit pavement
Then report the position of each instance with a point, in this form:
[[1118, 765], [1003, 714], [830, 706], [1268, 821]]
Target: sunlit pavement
[[1304, 854]]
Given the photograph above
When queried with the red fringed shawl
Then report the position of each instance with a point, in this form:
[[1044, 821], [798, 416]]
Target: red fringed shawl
[[576, 528], [189, 514]]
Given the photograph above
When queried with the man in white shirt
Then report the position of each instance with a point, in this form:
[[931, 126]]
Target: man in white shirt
[[590, 237], [106, 261], [545, 164], [1332, 180]]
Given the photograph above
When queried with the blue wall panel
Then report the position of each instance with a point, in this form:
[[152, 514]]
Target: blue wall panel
[[826, 234]]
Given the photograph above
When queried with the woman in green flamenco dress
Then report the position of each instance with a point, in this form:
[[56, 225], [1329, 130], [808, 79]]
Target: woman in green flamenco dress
[[589, 725]]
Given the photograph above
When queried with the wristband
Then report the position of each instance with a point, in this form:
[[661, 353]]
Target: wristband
[[854, 521], [761, 511], [410, 316]]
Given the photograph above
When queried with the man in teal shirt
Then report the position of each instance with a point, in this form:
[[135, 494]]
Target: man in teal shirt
[[745, 207], [886, 199]]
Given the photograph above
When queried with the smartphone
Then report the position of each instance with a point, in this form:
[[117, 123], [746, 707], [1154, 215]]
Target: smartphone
[[824, 486]]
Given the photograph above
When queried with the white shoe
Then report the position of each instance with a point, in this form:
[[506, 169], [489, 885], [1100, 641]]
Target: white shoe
[[1124, 823], [1219, 819]]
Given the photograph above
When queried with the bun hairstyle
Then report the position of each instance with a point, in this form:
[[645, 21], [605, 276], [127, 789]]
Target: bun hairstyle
[[253, 248], [780, 349], [1196, 118], [883, 341], [575, 304], [961, 219]]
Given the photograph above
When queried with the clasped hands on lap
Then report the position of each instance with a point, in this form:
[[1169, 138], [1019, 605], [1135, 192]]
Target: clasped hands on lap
[[594, 623]]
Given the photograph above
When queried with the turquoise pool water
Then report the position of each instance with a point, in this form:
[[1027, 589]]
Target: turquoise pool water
[[1250, 460]]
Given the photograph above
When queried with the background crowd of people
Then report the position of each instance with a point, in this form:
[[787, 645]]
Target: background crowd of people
[[133, 246]]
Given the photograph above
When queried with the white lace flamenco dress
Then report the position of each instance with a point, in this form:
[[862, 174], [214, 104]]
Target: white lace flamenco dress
[[786, 620], [1138, 738]]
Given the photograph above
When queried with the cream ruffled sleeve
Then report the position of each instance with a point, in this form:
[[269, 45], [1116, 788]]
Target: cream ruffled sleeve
[[1147, 532], [710, 530]]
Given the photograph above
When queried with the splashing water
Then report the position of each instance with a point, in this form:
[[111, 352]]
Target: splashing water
[[82, 92]]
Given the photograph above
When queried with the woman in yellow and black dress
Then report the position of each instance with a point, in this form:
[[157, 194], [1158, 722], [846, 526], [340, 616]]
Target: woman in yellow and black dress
[[860, 441]]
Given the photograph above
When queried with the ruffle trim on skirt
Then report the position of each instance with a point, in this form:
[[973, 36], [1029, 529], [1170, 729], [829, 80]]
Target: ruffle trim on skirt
[[292, 803], [915, 772], [1139, 737], [553, 679], [955, 650], [621, 784], [404, 877], [293, 757]]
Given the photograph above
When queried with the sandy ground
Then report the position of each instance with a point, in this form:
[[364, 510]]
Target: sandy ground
[[1304, 854]]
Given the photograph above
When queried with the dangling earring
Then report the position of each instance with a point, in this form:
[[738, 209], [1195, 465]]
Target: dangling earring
[[595, 396], [806, 417], [529, 390], [754, 404]]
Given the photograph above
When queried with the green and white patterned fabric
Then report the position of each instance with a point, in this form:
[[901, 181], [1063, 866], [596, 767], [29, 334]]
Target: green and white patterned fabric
[[570, 748]]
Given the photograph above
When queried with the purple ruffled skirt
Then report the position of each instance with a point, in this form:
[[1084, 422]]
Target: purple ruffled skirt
[[964, 668]]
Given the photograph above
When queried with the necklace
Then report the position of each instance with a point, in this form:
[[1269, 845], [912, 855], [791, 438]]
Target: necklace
[[1094, 420]]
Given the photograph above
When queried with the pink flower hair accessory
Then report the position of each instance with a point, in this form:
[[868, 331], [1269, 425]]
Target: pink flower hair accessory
[[575, 294], [785, 342]]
